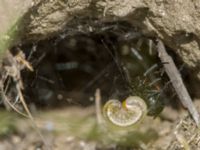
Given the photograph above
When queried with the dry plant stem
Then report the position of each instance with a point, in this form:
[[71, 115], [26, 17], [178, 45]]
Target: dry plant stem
[[98, 106], [12, 106], [30, 115], [16, 75], [181, 139], [177, 82]]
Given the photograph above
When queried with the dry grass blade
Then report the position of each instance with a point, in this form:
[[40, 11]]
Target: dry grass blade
[[13, 71], [180, 138], [12, 106], [177, 82], [30, 115]]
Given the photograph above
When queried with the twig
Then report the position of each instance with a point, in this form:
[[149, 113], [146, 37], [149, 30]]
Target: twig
[[177, 82]]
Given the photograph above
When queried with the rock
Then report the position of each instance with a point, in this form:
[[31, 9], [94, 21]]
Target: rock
[[176, 23]]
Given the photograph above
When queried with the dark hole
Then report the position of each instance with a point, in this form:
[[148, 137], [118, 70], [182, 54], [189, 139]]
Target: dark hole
[[68, 68], [72, 69]]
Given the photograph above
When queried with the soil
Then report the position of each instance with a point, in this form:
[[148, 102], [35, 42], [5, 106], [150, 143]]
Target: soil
[[176, 131], [176, 23]]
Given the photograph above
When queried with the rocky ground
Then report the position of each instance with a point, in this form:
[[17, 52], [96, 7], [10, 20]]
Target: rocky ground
[[44, 26]]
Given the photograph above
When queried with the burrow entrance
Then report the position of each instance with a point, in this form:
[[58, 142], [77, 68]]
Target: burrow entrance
[[112, 56]]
